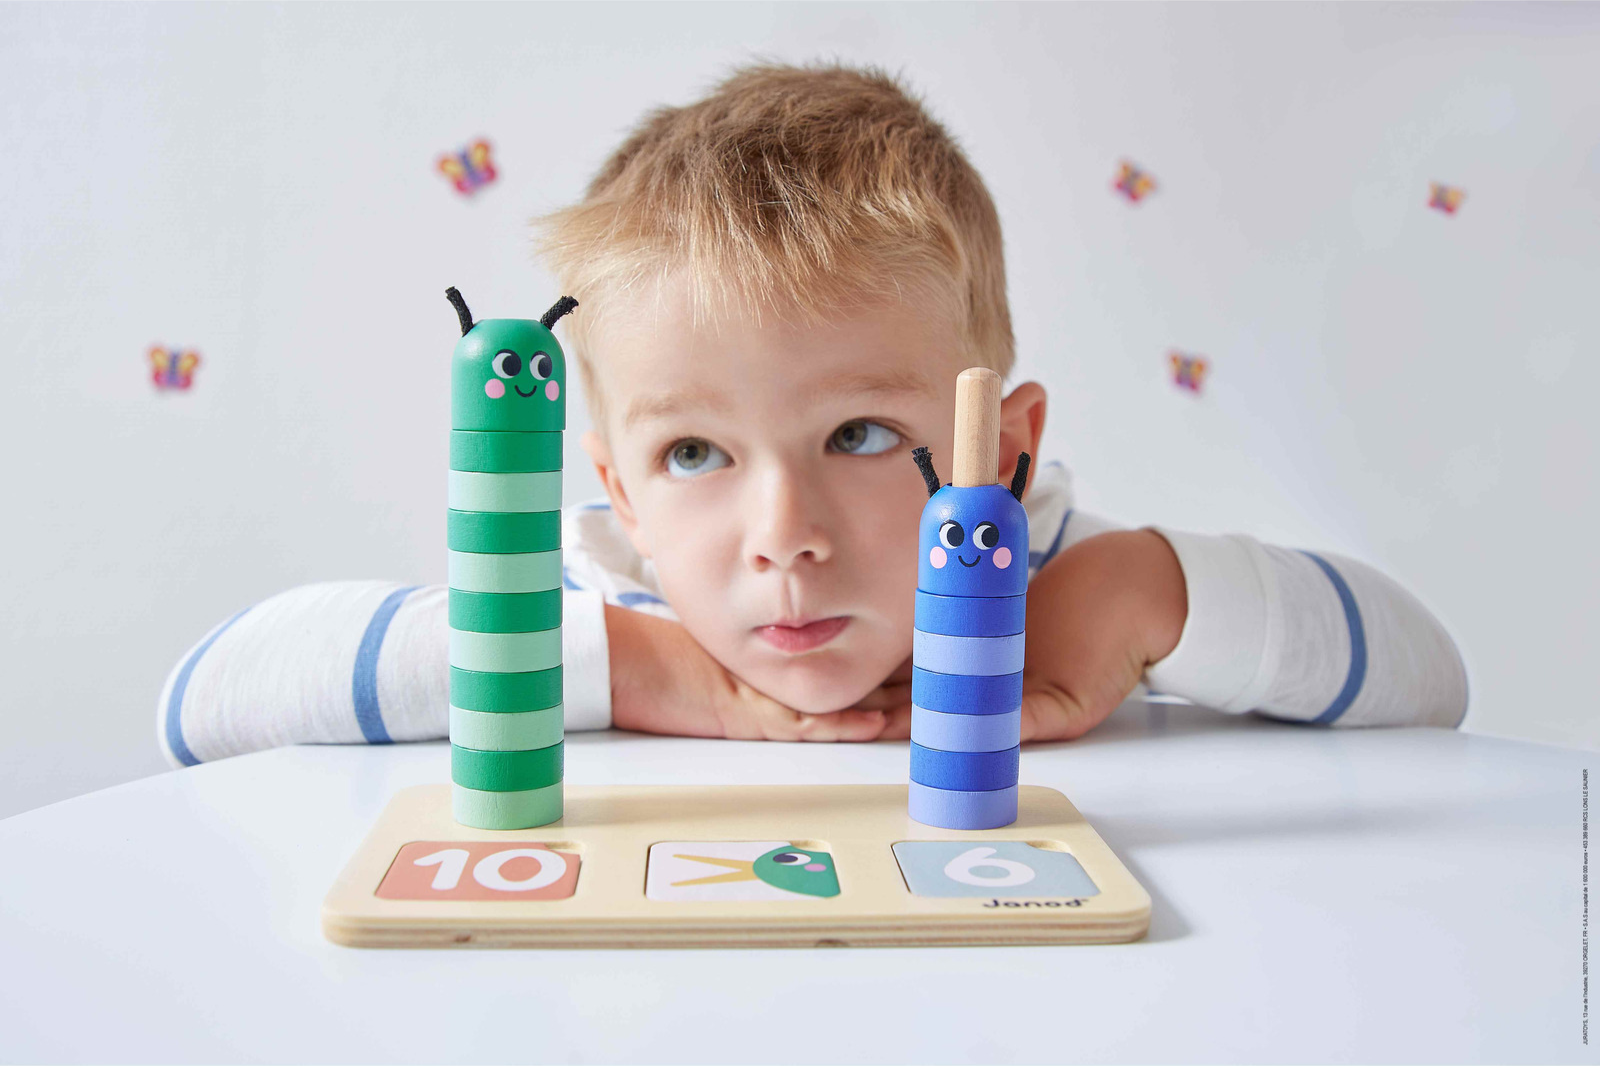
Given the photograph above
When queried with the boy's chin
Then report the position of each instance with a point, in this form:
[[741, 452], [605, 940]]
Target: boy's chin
[[815, 684]]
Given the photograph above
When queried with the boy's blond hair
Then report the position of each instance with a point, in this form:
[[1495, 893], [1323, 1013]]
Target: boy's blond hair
[[800, 191]]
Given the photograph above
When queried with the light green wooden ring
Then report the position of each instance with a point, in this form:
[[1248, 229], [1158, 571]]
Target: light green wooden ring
[[502, 534], [472, 491], [505, 612], [504, 452], [505, 693], [519, 731], [506, 810], [505, 771], [526, 572], [505, 653]]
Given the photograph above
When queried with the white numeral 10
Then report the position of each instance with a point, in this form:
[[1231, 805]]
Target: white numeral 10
[[452, 862]]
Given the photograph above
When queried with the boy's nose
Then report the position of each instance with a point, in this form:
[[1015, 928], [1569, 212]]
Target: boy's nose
[[786, 526]]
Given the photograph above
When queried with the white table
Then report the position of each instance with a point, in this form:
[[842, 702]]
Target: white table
[[1391, 895]]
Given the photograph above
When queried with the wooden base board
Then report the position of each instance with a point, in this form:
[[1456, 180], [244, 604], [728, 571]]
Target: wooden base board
[[611, 830]]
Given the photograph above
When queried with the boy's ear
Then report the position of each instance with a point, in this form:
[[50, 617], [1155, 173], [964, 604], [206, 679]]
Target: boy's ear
[[1021, 426], [600, 454]]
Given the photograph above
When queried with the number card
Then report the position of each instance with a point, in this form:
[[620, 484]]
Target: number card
[[458, 869], [992, 868]]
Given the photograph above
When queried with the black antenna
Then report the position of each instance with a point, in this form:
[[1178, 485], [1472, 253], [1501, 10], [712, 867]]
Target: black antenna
[[1019, 480], [562, 306], [924, 460], [453, 294]]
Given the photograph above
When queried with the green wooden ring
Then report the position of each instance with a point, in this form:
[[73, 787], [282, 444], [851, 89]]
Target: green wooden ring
[[502, 534], [506, 452], [519, 731], [524, 572], [505, 693], [505, 771], [506, 810], [505, 612], [505, 653], [471, 491]]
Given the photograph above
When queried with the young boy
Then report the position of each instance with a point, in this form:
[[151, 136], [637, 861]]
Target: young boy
[[778, 285]]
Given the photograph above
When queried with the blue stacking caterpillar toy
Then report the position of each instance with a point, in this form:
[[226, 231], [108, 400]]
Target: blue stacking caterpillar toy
[[507, 415], [972, 583]]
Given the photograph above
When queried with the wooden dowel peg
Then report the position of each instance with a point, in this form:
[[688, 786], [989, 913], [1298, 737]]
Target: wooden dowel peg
[[977, 447]]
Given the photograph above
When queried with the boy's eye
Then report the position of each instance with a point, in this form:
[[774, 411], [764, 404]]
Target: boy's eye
[[986, 535], [540, 366], [951, 535], [508, 364], [861, 437], [693, 457]]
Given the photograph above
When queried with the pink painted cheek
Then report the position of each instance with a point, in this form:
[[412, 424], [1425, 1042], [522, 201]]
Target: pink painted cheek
[[815, 867], [552, 391], [937, 557], [1002, 557], [494, 388]]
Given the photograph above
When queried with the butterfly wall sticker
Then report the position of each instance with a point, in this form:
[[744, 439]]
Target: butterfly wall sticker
[[1445, 198], [471, 168], [172, 369], [1133, 183], [1188, 371]]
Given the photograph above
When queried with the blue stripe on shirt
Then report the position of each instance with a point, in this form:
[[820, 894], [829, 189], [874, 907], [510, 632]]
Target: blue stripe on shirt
[[1038, 559], [175, 742], [364, 682], [1358, 645]]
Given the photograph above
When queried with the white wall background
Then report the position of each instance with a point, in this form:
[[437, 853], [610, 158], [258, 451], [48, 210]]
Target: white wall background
[[257, 182]]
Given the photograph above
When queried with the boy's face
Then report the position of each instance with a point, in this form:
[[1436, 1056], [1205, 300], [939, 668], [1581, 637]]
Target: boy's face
[[767, 472]]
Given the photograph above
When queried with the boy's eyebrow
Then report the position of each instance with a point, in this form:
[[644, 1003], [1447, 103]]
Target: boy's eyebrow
[[674, 401]]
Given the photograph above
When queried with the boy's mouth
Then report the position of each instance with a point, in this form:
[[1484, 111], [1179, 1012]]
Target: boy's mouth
[[798, 638]]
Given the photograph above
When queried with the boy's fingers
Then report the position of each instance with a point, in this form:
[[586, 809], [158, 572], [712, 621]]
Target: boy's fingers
[[852, 725], [1052, 713], [897, 723]]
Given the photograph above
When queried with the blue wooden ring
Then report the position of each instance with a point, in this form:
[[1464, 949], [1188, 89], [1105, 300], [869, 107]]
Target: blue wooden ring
[[958, 694], [965, 771], [966, 732], [971, 616], [947, 809]]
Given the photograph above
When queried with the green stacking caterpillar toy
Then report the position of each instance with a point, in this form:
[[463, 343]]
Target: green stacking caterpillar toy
[[507, 412]]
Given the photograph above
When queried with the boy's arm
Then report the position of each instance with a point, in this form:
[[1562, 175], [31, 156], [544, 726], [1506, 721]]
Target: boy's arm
[[1232, 624]]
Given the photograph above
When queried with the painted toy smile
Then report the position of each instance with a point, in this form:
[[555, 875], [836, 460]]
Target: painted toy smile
[[525, 395], [970, 565]]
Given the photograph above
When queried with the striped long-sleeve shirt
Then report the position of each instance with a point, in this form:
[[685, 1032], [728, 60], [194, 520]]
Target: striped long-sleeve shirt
[[1304, 636]]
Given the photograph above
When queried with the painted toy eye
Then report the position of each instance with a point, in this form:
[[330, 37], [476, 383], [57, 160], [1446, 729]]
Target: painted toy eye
[[789, 858], [507, 364], [693, 457], [951, 535], [860, 437], [540, 366], [985, 536]]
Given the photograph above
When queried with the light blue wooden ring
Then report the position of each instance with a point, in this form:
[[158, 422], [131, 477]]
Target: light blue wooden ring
[[476, 491], [964, 771], [981, 656], [505, 653], [525, 572], [505, 731], [971, 616], [948, 809], [506, 810], [966, 732]]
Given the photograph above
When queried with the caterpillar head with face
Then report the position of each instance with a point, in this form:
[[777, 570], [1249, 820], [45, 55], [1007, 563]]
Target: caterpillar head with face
[[508, 373], [973, 541]]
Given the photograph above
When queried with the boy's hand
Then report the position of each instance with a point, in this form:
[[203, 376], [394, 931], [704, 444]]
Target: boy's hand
[[663, 681], [1098, 614]]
